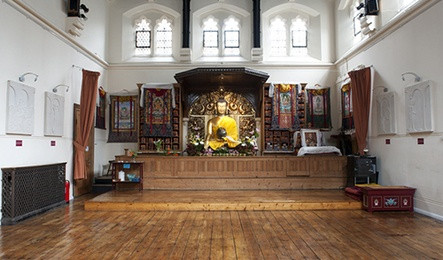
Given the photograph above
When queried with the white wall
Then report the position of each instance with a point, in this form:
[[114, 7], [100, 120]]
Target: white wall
[[344, 27], [327, 30], [94, 36], [121, 33], [27, 47], [415, 47]]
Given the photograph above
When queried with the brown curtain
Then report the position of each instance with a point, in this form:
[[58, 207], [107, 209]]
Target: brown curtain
[[361, 102], [87, 108]]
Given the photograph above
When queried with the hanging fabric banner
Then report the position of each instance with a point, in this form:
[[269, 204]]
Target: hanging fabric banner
[[318, 109], [157, 112], [284, 107], [100, 109], [123, 119], [346, 106]]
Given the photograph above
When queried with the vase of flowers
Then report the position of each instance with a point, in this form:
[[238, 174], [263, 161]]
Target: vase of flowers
[[159, 145], [132, 154], [195, 145]]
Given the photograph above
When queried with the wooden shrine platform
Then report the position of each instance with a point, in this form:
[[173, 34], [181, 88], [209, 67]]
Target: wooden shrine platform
[[242, 173], [149, 200]]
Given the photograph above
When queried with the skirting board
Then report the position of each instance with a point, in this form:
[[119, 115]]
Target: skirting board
[[429, 214]]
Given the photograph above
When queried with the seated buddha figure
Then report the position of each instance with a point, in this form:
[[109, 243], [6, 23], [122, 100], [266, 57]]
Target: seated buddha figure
[[222, 129]]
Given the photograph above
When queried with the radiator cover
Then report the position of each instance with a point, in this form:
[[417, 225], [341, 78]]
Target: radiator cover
[[30, 190]]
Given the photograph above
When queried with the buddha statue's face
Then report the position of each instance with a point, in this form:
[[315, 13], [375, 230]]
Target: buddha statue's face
[[221, 108]]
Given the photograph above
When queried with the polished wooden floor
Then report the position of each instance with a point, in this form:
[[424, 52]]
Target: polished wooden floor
[[70, 232], [148, 200]]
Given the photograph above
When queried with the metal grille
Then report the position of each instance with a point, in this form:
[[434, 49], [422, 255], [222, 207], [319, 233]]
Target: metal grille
[[232, 39], [29, 190], [299, 39], [164, 42], [143, 39], [210, 39]]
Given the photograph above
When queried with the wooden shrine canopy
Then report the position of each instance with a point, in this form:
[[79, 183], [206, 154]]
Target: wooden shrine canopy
[[241, 80]]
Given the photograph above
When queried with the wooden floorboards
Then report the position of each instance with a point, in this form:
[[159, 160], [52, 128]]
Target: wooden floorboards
[[148, 200], [70, 232]]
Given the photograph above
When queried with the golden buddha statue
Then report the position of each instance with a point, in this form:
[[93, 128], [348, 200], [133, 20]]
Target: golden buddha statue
[[221, 129]]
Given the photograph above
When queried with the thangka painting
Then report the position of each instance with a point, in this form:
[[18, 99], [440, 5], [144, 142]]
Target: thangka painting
[[123, 119], [318, 110], [100, 109], [346, 104], [284, 107], [157, 113]]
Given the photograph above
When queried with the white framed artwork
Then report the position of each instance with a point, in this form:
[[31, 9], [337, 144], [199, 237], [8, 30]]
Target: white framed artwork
[[310, 137], [54, 114], [20, 109], [386, 113], [418, 110]]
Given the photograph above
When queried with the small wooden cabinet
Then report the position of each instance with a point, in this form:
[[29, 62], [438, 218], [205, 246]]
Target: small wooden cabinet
[[362, 170], [132, 173]]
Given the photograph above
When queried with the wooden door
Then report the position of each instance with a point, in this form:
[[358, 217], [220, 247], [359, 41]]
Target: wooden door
[[84, 186]]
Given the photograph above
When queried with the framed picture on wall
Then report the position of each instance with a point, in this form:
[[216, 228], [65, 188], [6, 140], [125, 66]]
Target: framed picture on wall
[[100, 109], [310, 138], [346, 104]]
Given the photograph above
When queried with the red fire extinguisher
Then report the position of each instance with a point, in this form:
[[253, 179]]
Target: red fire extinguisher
[[67, 185]]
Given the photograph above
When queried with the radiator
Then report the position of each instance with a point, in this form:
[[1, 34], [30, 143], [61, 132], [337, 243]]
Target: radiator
[[27, 191]]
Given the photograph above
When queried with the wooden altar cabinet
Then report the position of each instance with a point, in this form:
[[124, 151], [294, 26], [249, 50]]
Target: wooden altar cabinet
[[242, 173]]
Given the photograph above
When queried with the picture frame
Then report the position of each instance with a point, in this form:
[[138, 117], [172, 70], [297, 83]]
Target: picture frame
[[297, 139], [346, 107], [310, 138], [100, 110]]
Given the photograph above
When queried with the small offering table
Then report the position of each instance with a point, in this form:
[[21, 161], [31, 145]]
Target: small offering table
[[132, 174], [388, 198]]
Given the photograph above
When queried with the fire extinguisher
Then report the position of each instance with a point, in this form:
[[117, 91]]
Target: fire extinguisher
[[67, 185]]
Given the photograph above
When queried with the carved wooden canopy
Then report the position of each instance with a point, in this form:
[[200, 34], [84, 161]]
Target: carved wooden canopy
[[241, 80]]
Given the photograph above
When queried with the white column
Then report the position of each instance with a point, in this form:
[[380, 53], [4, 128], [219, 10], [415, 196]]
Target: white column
[[185, 132], [258, 126]]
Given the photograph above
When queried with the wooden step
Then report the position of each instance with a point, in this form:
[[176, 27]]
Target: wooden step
[[148, 200], [103, 180], [283, 183], [101, 188]]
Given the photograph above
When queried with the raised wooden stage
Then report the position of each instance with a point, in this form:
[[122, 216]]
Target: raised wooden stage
[[234, 183], [242, 173], [222, 200]]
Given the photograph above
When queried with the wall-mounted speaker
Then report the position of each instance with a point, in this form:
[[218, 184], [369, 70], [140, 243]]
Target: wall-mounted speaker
[[371, 7], [73, 8]]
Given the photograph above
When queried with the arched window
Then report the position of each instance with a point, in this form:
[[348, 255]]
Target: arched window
[[278, 37], [163, 38], [299, 37], [210, 37], [231, 33], [142, 37]]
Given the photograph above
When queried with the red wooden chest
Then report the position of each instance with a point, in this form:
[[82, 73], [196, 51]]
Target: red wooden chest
[[388, 198]]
